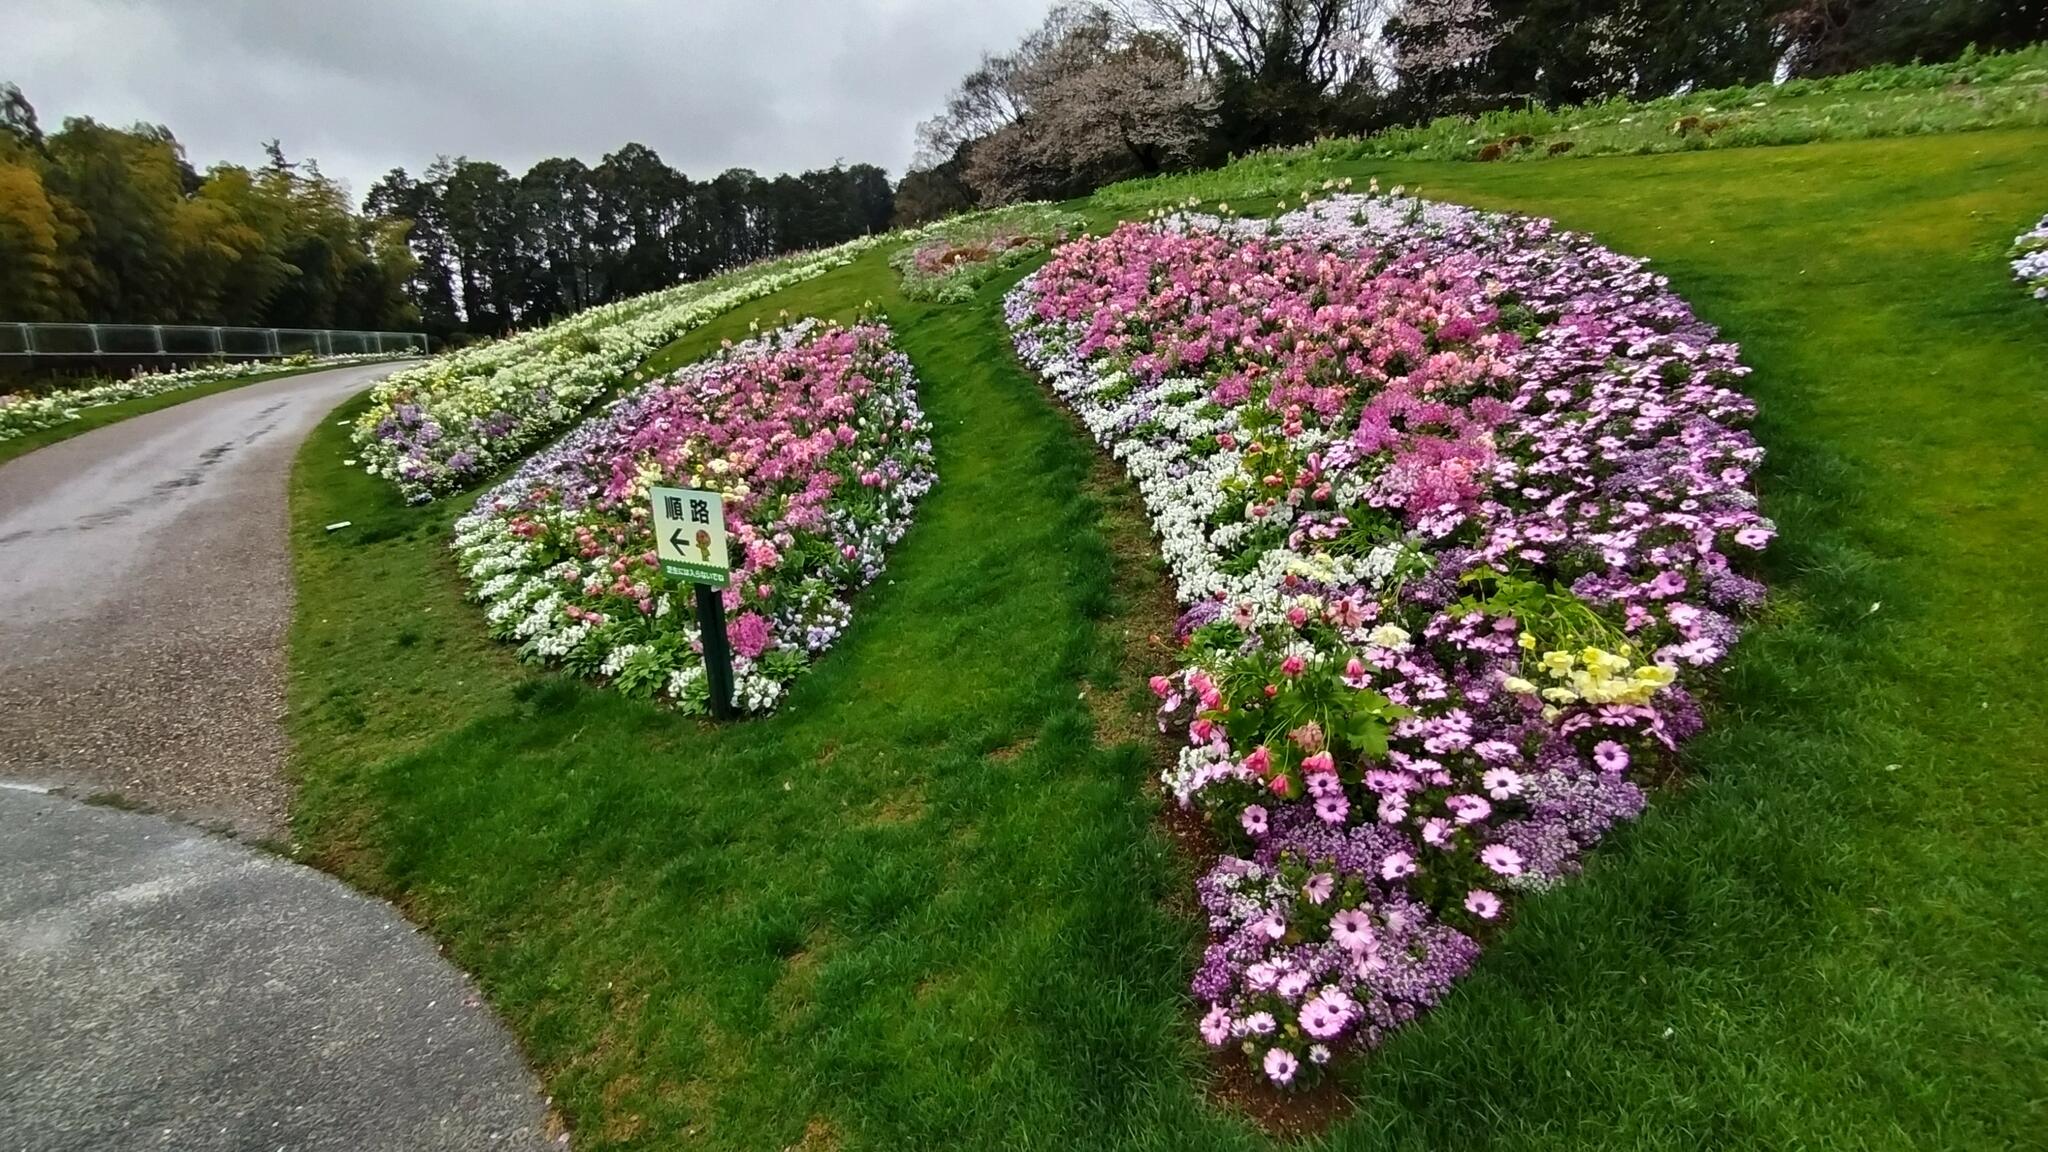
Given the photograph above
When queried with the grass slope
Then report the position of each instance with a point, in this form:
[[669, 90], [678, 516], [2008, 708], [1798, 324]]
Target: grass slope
[[925, 907]]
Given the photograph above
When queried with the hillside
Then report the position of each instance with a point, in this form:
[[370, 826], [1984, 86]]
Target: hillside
[[934, 901]]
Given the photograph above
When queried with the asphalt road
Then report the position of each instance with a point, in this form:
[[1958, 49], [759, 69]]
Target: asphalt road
[[169, 989], [162, 987], [147, 592]]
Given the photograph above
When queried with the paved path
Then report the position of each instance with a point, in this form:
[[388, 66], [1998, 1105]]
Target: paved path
[[169, 989], [162, 988], [147, 586]]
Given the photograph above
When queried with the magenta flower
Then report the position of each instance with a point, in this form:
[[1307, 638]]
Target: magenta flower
[[1482, 903]]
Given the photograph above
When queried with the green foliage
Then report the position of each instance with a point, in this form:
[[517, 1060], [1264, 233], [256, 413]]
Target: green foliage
[[947, 261]]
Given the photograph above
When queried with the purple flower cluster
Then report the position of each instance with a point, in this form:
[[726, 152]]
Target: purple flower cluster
[[1458, 504]]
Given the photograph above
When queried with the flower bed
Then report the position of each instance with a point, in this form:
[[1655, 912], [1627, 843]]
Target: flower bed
[[459, 417], [25, 412], [950, 259], [1457, 505], [814, 435], [2030, 259]]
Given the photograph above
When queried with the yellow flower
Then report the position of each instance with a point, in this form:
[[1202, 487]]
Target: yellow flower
[[1560, 695], [1558, 664], [1518, 685], [1528, 641]]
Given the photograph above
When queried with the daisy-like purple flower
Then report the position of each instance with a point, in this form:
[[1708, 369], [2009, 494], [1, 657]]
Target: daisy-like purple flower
[[1610, 756], [1502, 859], [1352, 930], [1396, 865], [1281, 1065], [1482, 903], [1253, 818], [1216, 1026], [1323, 1017], [1467, 807]]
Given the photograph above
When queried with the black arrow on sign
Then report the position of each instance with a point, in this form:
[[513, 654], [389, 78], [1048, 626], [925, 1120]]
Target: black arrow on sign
[[675, 541]]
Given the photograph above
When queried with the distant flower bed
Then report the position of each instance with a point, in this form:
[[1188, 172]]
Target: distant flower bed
[[951, 258], [1458, 506], [814, 435], [2030, 259], [25, 412], [459, 417]]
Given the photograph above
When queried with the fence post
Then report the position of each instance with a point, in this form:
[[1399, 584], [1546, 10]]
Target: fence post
[[156, 330]]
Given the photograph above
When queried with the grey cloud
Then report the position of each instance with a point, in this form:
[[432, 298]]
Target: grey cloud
[[365, 85]]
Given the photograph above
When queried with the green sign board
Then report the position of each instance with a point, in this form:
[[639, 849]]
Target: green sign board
[[689, 535]]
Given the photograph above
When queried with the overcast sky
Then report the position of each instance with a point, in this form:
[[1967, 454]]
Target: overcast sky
[[364, 85]]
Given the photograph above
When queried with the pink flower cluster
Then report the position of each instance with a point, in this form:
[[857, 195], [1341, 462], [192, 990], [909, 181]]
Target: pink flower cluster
[[1458, 504], [815, 438]]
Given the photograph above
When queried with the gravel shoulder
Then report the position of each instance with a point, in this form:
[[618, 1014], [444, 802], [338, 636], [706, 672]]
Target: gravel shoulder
[[171, 989], [147, 574]]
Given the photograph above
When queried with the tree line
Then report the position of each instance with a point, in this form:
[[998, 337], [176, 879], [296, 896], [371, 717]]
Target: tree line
[[114, 225], [492, 250], [1105, 91]]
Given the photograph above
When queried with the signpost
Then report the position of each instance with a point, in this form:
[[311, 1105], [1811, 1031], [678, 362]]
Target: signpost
[[689, 540]]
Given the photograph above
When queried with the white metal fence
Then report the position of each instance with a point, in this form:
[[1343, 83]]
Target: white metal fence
[[185, 341]]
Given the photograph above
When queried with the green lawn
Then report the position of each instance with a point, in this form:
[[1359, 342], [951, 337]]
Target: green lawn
[[926, 907], [91, 418]]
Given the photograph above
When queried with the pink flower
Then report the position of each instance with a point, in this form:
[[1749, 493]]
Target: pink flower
[[1502, 859], [1355, 675], [1319, 887], [1352, 930], [1292, 666], [1333, 809], [1260, 1024], [1254, 820], [1610, 756], [1216, 1026], [1482, 903], [1436, 831], [1323, 1017], [1309, 737], [1397, 865], [1468, 808], [1281, 1065], [1320, 762], [1502, 783]]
